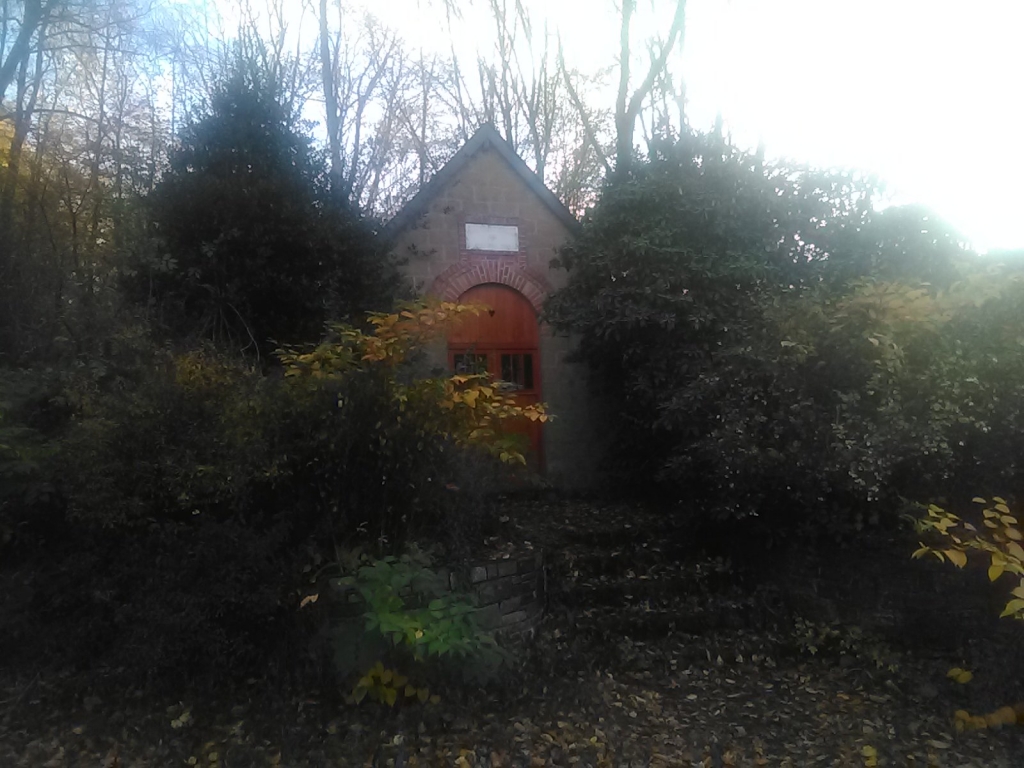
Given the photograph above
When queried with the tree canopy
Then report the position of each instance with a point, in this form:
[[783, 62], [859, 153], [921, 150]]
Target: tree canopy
[[253, 245]]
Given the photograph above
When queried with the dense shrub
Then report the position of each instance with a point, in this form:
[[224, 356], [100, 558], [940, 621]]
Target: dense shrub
[[198, 487], [185, 439], [28, 420], [167, 556], [383, 445], [779, 348]]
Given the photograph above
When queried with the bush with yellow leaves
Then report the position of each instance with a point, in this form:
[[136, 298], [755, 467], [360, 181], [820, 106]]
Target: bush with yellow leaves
[[998, 539], [469, 409], [387, 444]]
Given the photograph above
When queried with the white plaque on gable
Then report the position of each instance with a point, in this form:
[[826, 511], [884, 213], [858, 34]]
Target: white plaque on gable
[[492, 237]]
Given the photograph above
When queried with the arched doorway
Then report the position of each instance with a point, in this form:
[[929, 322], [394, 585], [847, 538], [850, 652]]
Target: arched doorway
[[504, 343]]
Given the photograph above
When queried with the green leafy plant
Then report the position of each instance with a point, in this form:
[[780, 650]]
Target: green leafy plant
[[413, 621]]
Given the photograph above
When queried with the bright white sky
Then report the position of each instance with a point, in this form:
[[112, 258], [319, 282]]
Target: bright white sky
[[927, 94]]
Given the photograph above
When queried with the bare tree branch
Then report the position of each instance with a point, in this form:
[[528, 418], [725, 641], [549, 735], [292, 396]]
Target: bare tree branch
[[588, 126], [627, 109]]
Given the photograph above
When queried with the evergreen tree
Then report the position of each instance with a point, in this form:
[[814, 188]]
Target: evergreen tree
[[254, 248]]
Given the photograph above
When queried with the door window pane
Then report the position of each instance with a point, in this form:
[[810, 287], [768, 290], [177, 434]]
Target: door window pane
[[518, 369], [469, 363]]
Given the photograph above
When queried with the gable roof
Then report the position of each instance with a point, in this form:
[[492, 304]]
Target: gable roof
[[486, 136]]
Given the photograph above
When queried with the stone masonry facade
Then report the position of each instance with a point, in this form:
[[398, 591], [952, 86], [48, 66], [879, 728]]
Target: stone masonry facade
[[487, 189]]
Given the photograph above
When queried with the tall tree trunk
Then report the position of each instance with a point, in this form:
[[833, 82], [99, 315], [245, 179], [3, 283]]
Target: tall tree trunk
[[627, 108], [623, 121], [91, 226], [31, 21], [330, 101]]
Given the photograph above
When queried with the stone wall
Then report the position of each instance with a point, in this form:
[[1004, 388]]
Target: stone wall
[[511, 594]]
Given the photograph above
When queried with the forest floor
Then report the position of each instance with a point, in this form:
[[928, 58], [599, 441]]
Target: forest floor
[[648, 656]]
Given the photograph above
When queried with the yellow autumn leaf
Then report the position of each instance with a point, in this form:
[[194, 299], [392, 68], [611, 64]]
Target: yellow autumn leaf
[[995, 571], [956, 556], [1013, 608], [961, 676]]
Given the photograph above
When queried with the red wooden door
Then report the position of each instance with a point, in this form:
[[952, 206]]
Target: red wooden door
[[504, 343]]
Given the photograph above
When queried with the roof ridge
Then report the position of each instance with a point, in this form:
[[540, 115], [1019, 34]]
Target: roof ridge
[[485, 135]]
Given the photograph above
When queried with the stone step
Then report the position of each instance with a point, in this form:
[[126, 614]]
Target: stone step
[[641, 561], [658, 624], [616, 591], [615, 537]]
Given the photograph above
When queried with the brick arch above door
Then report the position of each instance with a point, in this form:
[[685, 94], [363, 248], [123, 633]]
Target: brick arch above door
[[459, 278]]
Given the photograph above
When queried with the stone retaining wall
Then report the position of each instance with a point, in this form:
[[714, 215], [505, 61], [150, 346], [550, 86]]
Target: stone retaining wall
[[511, 594]]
